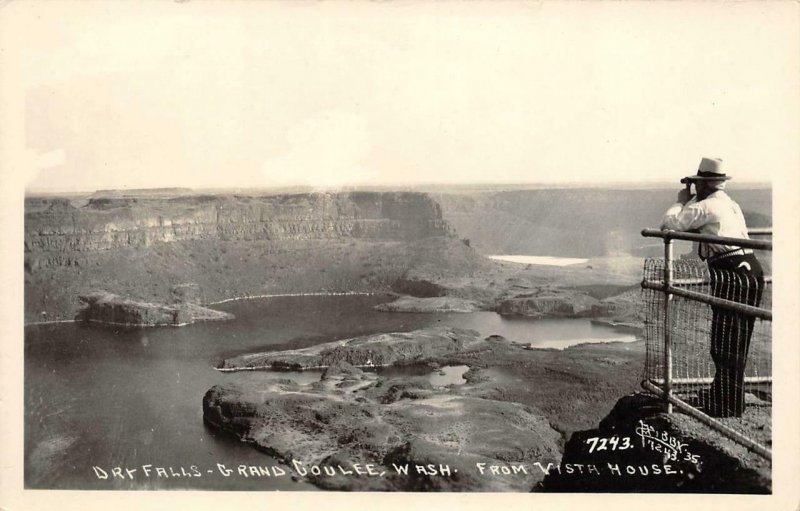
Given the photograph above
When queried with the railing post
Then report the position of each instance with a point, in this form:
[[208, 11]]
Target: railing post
[[668, 273]]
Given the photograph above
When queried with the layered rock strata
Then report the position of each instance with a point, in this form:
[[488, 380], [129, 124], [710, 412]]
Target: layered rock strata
[[57, 233]]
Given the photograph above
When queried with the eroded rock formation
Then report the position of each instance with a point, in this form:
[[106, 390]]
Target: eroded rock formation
[[377, 350], [432, 304], [352, 418], [105, 307], [665, 453]]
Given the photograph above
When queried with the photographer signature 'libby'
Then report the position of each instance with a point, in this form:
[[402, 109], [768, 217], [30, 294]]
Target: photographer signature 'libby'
[[659, 441]]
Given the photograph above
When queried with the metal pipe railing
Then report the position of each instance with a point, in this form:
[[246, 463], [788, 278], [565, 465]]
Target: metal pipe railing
[[710, 300], [699, 281], [668, 286], [668, 267], [694, 381], [707, 238]]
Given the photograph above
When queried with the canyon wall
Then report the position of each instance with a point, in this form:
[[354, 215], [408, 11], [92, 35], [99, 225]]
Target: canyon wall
[[58, 233], [228, 245]]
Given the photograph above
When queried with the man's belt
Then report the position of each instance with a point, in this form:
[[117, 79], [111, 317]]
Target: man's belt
[[731, 253]]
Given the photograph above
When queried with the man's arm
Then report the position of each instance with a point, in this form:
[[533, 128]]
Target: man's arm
[[680, 217]]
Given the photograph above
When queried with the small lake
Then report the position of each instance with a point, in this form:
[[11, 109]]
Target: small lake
[[111, 396], [541, 260]]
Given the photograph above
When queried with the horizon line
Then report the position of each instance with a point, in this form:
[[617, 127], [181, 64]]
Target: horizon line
[[538, 185]]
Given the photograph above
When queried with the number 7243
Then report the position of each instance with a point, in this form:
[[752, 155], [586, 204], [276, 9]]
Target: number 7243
[[613, 443]]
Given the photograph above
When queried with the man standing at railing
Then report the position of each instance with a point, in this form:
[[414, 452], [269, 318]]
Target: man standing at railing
[[735, 273]]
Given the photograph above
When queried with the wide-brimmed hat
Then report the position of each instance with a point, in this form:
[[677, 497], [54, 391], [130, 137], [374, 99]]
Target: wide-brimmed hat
[[710, 170]]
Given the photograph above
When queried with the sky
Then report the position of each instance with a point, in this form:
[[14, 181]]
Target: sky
[[261, 94]]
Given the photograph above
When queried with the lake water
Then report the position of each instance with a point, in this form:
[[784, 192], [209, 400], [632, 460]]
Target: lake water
[[541, 260], [110, 396]]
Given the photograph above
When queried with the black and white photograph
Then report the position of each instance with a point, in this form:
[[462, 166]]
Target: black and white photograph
[[295, 251]]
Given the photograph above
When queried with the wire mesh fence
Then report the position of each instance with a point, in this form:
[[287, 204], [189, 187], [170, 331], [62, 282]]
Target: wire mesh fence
[[721, 359]]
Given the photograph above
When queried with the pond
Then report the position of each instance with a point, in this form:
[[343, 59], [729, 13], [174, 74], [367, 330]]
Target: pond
[[541, 260]]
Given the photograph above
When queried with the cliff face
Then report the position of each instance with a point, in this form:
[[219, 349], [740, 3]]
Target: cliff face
[[140, 247], [58, 234]]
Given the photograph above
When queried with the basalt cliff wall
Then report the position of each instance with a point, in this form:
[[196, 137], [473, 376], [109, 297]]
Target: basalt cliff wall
[[58, 233], [227, 245]]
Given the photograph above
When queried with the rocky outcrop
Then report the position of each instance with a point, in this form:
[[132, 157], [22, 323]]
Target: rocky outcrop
[[509, 413], [622, 310], [378, 350], [418, 439], [519, 291], [419, 287], [104, 307], [434, 304], [548, 304], [663, 453]]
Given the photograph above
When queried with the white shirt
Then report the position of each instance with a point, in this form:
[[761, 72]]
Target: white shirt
[[717, 214]]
